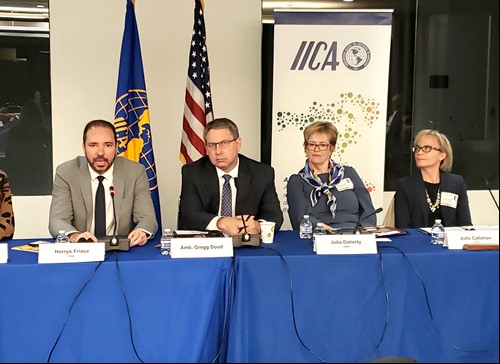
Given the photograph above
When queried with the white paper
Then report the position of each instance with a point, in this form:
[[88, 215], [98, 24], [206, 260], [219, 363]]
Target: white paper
[[4, 253]]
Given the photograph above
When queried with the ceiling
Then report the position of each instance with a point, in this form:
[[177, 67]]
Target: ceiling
[[24, 18]]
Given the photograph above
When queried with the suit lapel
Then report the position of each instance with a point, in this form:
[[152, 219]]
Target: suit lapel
[[86, 190], [446, 211], [422, 202], [211, 185], [119, 184], [244, 179]]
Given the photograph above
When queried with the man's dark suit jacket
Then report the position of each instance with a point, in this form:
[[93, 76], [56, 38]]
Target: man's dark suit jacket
[[412, 209], [200, 197]]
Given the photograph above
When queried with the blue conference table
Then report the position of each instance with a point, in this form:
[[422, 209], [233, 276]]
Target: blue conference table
[[413, 299], [177, 308]]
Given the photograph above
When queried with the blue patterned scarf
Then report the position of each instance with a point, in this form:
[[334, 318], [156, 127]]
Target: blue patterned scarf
[[335, 175]]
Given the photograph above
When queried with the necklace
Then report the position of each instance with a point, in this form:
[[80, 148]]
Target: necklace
[[433, 206]]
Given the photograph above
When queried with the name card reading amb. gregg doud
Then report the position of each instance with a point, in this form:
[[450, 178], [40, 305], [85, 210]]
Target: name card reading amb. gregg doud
[[346, 244], [201, 247]]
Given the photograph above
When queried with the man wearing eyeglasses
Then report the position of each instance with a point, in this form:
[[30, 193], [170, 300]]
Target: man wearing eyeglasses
[[224, 188]]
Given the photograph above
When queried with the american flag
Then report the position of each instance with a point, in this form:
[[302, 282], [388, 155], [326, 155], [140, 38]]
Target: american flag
[[198, 99]]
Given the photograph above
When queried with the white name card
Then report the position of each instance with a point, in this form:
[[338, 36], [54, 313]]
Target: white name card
[[4, 253], [201, 247], [70, 252], [457, 239], [346, 244]]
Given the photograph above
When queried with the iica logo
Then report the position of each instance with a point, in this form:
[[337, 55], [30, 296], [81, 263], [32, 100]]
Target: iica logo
[[356, 56], [319, 55]]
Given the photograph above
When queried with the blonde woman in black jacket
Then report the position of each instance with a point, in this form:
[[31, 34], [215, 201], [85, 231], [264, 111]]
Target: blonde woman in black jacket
[[432, 191]]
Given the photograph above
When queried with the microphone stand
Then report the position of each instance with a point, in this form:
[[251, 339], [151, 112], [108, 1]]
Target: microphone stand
[[489, 189], [115, 243], [114, 240], [358, 224], [246, 236]]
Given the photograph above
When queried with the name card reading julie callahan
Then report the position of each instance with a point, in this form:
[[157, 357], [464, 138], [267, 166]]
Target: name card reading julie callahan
[[70, 252], [346, 244], [457, 239], [201, 247]]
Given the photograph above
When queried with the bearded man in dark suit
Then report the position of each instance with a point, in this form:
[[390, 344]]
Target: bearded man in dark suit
[[252, 193]]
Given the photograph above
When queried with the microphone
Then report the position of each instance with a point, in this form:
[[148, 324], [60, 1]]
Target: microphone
[[114, 240], [457, 128], [489, 189], [115, 243], [358, 224], [246, 236]]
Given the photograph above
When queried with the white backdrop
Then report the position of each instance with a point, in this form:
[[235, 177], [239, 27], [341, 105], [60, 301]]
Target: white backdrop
[[84, 74], [331, 66]]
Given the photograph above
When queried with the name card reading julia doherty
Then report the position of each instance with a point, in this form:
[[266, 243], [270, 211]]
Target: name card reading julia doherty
[[346, 244], [201, 247], [70, 252]]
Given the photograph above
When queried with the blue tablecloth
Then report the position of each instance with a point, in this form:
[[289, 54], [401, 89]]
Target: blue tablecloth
[[412, 299], [177, 308]]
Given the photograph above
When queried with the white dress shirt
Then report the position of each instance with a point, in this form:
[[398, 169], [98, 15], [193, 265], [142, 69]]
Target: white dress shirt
[[234, 174], [107, 182]]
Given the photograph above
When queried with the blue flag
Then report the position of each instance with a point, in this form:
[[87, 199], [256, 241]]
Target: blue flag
[[131, 111]]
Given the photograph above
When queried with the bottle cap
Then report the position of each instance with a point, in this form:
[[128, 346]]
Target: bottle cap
[[319, 224], [438, 220], [306, 216]]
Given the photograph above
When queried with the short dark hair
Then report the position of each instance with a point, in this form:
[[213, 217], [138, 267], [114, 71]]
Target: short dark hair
[[98, 122], [221, 123]]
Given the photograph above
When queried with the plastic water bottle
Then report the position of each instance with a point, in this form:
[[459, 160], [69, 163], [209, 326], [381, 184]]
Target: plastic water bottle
[[165, 242], [306, 228], [62, 237], [437, 233], [319, 230]]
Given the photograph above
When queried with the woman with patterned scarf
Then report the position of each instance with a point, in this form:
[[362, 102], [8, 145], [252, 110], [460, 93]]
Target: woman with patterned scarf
[[6, 212], [328, 192]]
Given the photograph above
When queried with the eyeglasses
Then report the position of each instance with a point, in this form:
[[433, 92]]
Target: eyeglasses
[[222, 145], [313, 146], [425, 149]]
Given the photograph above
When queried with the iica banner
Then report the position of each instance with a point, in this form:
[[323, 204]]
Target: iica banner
[[331, 66]]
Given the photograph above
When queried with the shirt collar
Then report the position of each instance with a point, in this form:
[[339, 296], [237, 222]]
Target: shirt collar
[[233, 172], [108, 175]]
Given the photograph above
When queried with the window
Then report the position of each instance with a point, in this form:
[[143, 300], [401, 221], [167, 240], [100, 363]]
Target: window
[[25, 105]]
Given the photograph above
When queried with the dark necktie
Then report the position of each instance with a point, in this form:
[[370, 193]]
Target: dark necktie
[[226, 205], [100, 210]]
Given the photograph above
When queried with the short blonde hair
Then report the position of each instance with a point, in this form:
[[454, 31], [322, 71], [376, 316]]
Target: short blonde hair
[[321, 127], [444, 145]]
